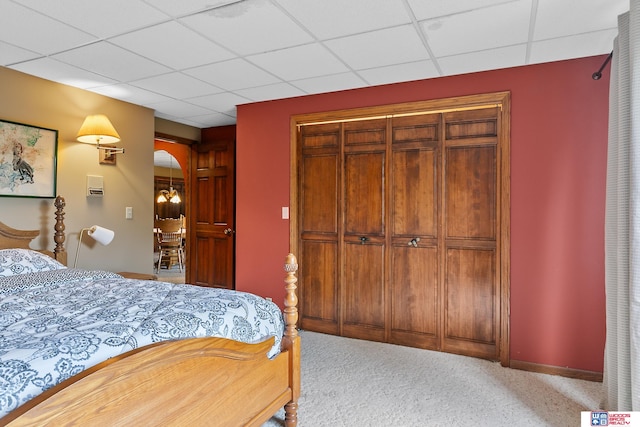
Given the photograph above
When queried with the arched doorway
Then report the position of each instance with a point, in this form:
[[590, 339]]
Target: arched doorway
[[171, 180]]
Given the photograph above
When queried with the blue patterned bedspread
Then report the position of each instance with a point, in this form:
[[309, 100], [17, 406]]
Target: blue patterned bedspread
[[57, 323]]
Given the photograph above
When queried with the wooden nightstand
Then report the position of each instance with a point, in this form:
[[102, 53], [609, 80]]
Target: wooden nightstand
[[139, 276]]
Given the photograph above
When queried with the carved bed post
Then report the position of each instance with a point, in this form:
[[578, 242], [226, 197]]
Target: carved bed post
[[59, 236], [291, 341], [290, 301]]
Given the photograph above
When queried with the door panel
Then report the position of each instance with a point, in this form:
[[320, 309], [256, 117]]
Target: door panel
[[320, 296], [364, 301], [414, 296], [471, 203], [212, 248], [318, 213], [471, 192], [364, 203], [470, 304]]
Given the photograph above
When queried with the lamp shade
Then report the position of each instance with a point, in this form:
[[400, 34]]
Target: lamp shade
[[101, 235], [97, 129]]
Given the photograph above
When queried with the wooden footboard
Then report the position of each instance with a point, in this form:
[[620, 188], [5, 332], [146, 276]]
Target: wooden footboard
[[194, 382]]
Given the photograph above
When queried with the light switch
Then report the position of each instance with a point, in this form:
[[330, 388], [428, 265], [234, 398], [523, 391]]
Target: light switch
[[128, 212], [285, 212]]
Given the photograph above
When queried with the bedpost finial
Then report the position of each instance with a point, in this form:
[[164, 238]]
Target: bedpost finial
[[290, 301]]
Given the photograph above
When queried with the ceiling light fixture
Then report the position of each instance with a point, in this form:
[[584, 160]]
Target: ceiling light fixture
[[170, 195]]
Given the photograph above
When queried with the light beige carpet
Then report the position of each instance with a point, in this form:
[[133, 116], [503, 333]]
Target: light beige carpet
[[354, 383]]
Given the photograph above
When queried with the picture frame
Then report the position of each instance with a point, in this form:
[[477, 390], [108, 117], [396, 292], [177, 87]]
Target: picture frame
[[28, 160]]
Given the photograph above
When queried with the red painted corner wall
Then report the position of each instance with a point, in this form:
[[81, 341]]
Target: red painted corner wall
[[558, 165]]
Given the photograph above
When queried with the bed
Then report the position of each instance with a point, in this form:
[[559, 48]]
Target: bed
[[165, 363]]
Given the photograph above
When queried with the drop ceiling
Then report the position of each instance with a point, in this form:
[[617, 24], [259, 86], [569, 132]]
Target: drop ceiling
[[194, 61]]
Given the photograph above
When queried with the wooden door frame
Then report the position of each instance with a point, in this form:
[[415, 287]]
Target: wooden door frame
[[501, 100]]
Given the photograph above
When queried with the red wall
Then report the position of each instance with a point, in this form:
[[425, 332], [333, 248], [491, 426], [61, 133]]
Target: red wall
[[558, 167]]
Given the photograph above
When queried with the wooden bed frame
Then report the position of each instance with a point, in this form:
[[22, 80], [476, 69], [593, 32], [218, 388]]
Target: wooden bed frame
[[198, 381]]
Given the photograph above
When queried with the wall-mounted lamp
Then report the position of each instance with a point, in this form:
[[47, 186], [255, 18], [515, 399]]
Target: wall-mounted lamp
[[101, 235], [97, 129]]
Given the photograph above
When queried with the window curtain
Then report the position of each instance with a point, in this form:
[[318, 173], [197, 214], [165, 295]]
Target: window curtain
[[621, 377]]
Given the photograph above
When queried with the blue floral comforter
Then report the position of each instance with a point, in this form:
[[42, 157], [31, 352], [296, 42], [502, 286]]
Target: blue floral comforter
[[57, 323]]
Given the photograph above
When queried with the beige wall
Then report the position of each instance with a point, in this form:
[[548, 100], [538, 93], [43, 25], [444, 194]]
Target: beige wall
[[34, 101]]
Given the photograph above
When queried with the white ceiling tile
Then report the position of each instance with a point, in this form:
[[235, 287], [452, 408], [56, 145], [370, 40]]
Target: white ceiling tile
[[561, 18], [249, 27], [178, 108], [23, 28], [233, 74], [432, 9], [269, 92], [579, 46], [11, 54], [210, 120], [481, 29], [101, 18], [491, 59], [221, 102], [380, 48], [331, 83], [184, 7], [60, 72], [299, 62], [346, 17], [176, 85], [111, 61], [402, 72], [126, 92], [165, 43]]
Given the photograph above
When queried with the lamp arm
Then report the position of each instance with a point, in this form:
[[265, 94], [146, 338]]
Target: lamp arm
[[75, 262]]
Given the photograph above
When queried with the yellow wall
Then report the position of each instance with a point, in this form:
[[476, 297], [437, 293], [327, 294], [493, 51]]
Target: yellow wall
[[30, 100]]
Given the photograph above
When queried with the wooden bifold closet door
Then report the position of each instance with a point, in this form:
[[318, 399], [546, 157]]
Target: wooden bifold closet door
[[401, 228]]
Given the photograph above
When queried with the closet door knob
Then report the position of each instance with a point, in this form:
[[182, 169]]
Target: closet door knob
[[363, 240], [414, 242]]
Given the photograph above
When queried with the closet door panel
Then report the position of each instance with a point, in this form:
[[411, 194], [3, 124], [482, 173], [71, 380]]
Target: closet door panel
[[320, 279], [470, 302], [414, 296], [364, 194], [363, 290], [319, 183], [318, 212], [471, 192], [471, 202], [414, 193], [363, 278]]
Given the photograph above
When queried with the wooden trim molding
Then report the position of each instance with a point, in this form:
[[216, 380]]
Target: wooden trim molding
[[577, 374]]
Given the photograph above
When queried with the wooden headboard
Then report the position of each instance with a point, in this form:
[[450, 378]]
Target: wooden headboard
[[14, 238]]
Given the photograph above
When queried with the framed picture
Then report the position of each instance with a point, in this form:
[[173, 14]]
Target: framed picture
[[28, 162]]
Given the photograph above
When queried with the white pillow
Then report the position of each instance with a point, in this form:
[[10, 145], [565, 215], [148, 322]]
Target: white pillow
[[22, 261]]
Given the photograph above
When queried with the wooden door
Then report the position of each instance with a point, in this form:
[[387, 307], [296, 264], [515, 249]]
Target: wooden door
[[364, 218], [318, 213], [212, 219], [415, 231], [471, 247], [404, 224]]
